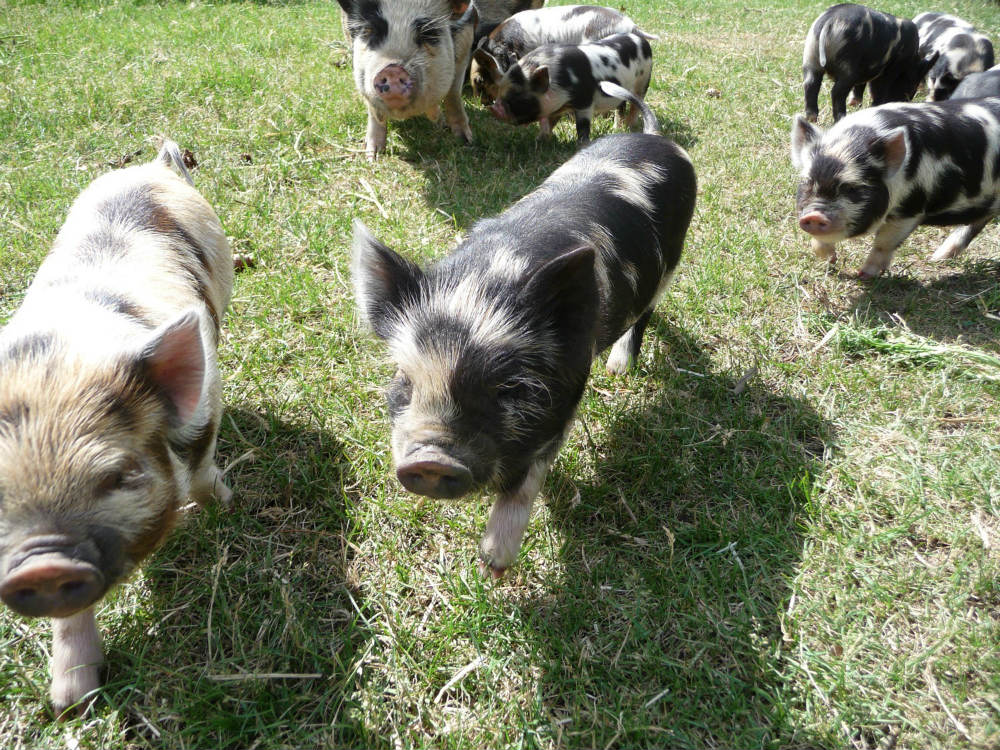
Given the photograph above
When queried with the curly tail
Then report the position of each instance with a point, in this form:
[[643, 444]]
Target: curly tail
[[650, 124]]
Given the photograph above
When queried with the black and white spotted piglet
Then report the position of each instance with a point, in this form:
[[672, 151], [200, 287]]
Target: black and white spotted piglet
[[855, 45], [495, 342], [978, 85], [952, 49], [554, 80], [887, 170]]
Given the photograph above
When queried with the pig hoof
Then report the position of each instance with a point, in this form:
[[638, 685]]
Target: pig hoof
[[488, 572], [947, 251], [868, 273], [853, 101], [73, 692], [812, 117]]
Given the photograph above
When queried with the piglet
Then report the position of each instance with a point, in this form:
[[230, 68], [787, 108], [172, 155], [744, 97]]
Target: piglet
[[494, 344], [952, 49], [887, 170], [110, 401], [855, 45], [554, 80], [979, 85], [408, 56]]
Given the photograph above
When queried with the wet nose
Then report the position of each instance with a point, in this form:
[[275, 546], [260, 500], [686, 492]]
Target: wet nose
[[51, 585], [814, 222], [435, 476], [393, 82]]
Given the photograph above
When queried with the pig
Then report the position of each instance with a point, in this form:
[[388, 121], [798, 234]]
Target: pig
[[855, 45], [407, 57], [554, 80], [979, 85], [530, 29], [951, 49], [888, 169], [110, 401], [494, 344], [494, 12]]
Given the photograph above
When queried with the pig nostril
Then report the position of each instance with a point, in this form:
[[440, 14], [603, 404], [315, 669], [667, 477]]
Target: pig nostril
[[72, 587]]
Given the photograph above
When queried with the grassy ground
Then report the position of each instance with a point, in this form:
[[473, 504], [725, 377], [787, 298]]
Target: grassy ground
[[783, 531]]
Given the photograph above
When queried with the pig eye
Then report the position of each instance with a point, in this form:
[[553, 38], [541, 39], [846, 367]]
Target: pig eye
[[851, 192], [426, 33], [118, 479]]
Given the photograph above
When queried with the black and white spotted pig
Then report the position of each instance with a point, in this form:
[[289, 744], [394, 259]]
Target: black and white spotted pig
[[530, 29], [110, 401], [408, 56], [554, 80], [979, 85], [887, 170], [953, 49], [494, 343], [855, 45]]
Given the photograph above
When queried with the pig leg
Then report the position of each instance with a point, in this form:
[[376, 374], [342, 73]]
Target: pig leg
[[375, 137], [76, 659], [583, 118], [824, 250], [888, 237], [626, 349], [959, 239], [838, 97], [508, 520], [454, 111], [811, 82], [856, 95]]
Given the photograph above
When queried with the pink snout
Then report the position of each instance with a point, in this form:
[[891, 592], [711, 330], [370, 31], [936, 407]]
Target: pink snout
[[815, 222], [499, 111], [50, 584], [432, 473], [394, 85]]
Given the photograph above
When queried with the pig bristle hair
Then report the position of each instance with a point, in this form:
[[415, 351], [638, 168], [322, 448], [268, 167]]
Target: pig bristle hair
[[170, 156]]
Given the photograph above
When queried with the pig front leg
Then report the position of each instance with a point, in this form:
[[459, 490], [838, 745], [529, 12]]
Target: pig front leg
[[824, 250], [888, 237], [375, 137], [583, 118], [508, 520], [626, 349], [76, 660], [959, 239], [454, 111]]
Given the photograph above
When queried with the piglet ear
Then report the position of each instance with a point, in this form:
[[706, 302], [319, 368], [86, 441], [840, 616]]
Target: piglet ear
[[540, 80], [383, 280], [347, 6], [488, 64], [458, 7], [894, 145], [804, 135], [564, 284], [174, 361]]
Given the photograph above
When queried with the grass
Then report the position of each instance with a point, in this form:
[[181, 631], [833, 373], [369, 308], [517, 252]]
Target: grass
[[769, 536]]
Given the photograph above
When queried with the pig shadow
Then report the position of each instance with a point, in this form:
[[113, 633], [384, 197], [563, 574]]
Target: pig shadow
[[955, 306], [676, 556], [248, 618], [503, 164]]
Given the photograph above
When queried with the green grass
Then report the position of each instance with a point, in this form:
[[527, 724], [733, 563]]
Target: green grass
[[769, 536]]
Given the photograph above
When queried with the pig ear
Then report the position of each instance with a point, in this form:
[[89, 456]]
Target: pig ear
[[383, 280], [895, 147], [347, 5], [487, 63], [458, 7], [563, 284], [804, 135], [540, 80], [174, 361]]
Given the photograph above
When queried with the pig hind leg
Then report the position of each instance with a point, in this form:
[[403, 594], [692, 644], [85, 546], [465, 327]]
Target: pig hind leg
[[626, 349], [811, 81], [583, 119], [509, 518], [76, 659], [959, 239], [857, 93], [838, 97]]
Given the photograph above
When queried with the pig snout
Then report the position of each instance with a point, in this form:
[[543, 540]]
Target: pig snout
[[433, 473], [46, 577], [498, 110], [394, 85], [815, 222]]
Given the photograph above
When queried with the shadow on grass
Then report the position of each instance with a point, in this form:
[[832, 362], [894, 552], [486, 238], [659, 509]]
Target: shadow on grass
[[505, 163], [950, 307], [666, 622], [252, 626]]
